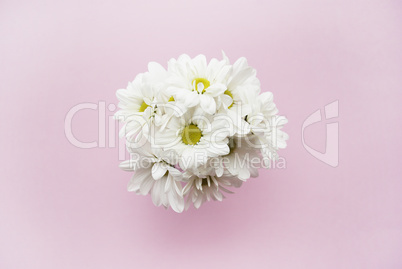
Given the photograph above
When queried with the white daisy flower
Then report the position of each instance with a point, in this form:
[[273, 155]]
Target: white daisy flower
[[195, 137], [167, 108], [201, 189], [266, 125], [193, 81], [138, 101], [242, 86], [242, 161], [154, 174]]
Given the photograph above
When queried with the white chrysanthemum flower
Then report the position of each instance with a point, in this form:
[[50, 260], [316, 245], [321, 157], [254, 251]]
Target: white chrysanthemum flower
[[167, 108], [195, 137], [154, 174], [242, 161], [138, 101], [202, 189], [266, 126], [194, 82], [242, 86]]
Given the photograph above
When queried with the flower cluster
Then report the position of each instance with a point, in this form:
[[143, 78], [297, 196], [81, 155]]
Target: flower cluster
[[197, 129]]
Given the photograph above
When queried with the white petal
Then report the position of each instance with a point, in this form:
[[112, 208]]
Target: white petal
[[157, 192], [207, 103], [198, 202], [226, 100], [168, 183], [175, 173], [216, 89], [200, 64], [176, 200], [158, 170], [156, 69], [192, 99], [138, 178], [218, 149], [219, 170], [127, 165], [244, 173], [147, 183]]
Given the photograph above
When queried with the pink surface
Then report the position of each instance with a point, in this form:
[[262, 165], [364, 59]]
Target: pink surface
[[65, 207]]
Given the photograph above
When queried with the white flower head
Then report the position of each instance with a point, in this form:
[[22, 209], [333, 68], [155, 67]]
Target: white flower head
[[266, 126], [201, 189], [242, 161], [138, 101], [195, 137], [195, 82], [155, 175]]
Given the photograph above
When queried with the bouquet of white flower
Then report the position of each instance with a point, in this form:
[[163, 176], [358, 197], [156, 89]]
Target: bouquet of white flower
[[196, 129]]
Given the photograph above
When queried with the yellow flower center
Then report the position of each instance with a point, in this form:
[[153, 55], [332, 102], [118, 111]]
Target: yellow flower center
[[143, 106], [171, 99], [200, 84], [191, 134], [227, 92]]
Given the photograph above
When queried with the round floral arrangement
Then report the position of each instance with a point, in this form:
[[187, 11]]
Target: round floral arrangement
[[197, 129]]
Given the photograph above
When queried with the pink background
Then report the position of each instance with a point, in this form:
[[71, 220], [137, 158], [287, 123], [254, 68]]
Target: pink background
[[65, 207]]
